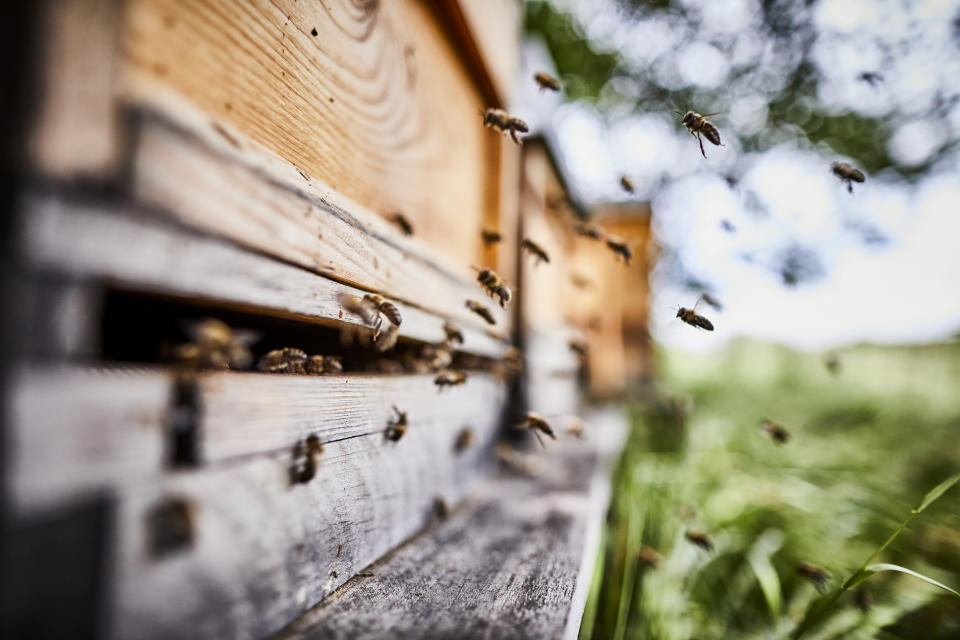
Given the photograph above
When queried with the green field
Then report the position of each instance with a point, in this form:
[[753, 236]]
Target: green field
[[866, 445]]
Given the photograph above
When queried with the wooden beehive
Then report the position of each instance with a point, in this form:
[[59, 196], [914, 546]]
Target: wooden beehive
[[243, 161]]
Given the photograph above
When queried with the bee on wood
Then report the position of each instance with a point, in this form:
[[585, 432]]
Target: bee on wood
[[832, 362], [620, 249], [403, 223], [537, 424], [627, 184], [694, 319], [776, 431], [214, 345], [504, 123], [481, 311], [847, 174], [546, 81], [699, 539], [449, 379], [305, 460], [286, 360], [387, 339], [437, 356], [384, 307], [316, 365], [817, 575], [510, 365], [494, 286], [700, 127], [648, 556], [575, 427], [535, 250], [490, 236], [397, 426], [464, 440], [872, 78], [710, 300], [587, 230], [371, 308], [453, 333]]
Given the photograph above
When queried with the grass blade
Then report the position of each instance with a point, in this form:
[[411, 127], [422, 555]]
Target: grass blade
[[883, 566], [937, 491]]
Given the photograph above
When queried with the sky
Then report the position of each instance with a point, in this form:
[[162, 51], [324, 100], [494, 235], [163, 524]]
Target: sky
[[886, 267]]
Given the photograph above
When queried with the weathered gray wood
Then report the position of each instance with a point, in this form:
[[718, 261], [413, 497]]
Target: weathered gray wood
[[55, 317], [264, 551], [102, 244], [514, 561], [551, 373]]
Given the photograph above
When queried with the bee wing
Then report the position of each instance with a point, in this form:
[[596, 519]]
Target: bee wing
[[710, 115]]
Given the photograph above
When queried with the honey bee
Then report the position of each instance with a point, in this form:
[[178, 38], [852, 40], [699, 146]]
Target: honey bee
[[371, 308], [710, 300], [648, 556], [698, 126], [441, 510], [397, 426], [579, 347], [546, 81], [286, 360], [214, 345], [627, 184], [727, 226], [481, 311], [305, 460], [847, 174], [537, 424], [401, 221], [490, 236], [385, 307], [587, 230], [575, 426], [534, 250], [510, 365], [556, 202], [620, 249], [494, 286], [817, 575], [316, 365], [464, 440], [505, 123], [832, 362], [386, 340], [863, 599], [776, 431], [872, 78], [449, 378], [454, 335], [580, 281], [437, 357], [694, 319], [699, 539]]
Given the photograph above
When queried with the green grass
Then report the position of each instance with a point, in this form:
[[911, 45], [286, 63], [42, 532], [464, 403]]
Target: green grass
[[866, 446]]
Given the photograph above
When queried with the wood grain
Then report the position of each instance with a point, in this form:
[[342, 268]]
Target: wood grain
[[513, 562], [118, 248], [264, 551], [376, 104]]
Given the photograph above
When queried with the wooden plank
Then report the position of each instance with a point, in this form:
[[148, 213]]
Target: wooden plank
[[513, 562], [263, 551], [85, 241], [192, 172], [55, 317], [77, 432], [368, 97], [77, 134], [494, 27]]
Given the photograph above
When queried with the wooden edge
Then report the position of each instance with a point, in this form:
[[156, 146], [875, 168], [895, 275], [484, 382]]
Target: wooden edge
[[249, 551], [213, 177], [458, 29], [512, 562], [109, 244], [77, 431]]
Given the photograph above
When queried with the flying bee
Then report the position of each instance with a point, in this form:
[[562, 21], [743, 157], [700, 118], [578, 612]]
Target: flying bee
[[847, 174], [694, 319], [403, 223], [728, 226], [817, 575], [537, 424], [481, 311], [441, 510], [863, 599], [397, 426], [832, 362], [776, 431], [305, 460], [546, 81], [710, 300], [648, 556], [494, 286], [385, 307], [449, 378], [700, 539], [620, 249], [627, 184], [511, 364], [286, 360], [575, 426], [464, 440], [490, 236], [505, 123], [700, 127], [535, 250], [453, 333], [872, 78], [587, 230], [579, 347]]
